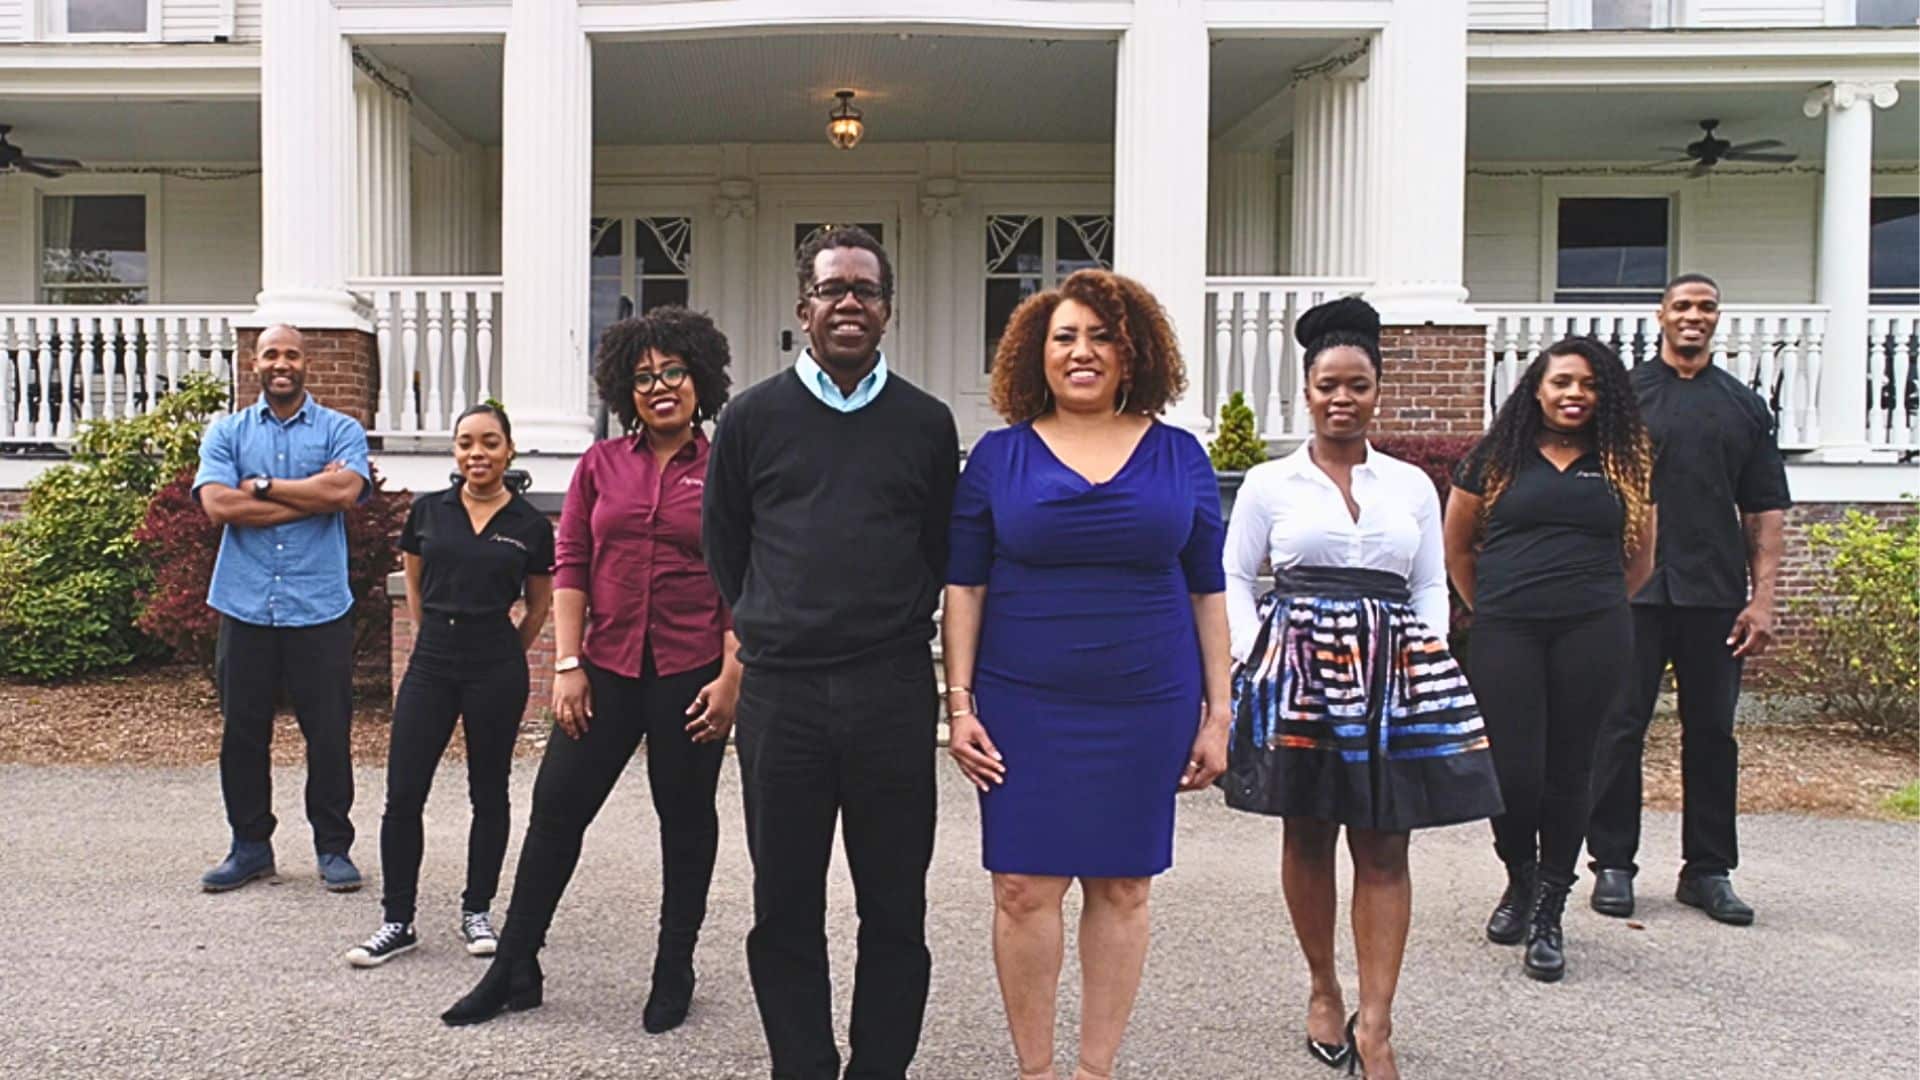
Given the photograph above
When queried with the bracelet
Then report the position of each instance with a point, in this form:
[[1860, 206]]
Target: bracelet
[[955, 715], [962, 689]]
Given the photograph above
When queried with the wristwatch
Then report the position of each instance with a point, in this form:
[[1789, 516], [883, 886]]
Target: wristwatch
[[261, 485], [565, 664]]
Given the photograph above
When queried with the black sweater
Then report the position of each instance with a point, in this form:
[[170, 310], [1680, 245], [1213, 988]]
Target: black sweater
[[827, 531]]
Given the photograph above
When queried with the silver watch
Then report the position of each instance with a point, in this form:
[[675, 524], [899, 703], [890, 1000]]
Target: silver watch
[[565, 664]]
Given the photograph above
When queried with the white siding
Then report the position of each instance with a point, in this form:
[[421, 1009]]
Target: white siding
[[1755, 234], [1507, 14], [193, 20], [1759, 13], [13, 20], [209, 241], [247, 20]]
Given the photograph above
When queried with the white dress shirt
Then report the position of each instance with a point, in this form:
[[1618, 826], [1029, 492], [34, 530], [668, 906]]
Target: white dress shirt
[[1289, 511]]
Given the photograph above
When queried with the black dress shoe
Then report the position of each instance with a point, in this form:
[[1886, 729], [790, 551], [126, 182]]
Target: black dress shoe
[[1613, 892], [1546, 957], [508, 985], [1508, 923], [1713, 894]]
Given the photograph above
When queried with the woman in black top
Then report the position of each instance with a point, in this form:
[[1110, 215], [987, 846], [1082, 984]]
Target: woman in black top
[[1549, 530], [471, 551]]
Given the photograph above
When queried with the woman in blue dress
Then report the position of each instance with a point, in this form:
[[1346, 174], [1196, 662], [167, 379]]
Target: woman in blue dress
[[1085, 642]]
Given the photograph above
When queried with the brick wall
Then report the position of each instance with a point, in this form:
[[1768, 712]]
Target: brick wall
[[1803, 570], [341, 367], [11, 503], [1432, 384]]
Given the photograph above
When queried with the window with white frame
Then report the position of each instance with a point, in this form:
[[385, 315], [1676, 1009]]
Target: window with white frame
[[1612, 14], [1612, 250], [93, 249], [1886, 12], [1026, 253], [120, 18], [1894, 250], [638, 263]]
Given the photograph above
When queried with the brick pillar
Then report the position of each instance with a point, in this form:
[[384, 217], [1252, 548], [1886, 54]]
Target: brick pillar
[[1434, 383], [341, 367]]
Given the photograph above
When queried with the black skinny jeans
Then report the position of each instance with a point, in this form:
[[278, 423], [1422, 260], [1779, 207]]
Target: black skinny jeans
[[1544, 686], [577, 775], [314, 666], [475, 672]]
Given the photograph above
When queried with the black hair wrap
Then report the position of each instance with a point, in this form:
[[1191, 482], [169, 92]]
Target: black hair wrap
[[1349, 314]]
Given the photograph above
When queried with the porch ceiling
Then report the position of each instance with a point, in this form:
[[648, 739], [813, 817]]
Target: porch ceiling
[[136, 131], [1630, 125], [911, 86]]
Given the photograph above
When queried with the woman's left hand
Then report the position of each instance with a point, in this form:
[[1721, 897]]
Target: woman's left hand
[[1208, 758], [712, 710]]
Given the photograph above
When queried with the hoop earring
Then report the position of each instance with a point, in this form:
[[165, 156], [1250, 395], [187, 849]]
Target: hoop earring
[[1121, 407]]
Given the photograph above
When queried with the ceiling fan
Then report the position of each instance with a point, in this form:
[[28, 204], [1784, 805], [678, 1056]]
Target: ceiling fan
[[1710, 150], [13, 158]]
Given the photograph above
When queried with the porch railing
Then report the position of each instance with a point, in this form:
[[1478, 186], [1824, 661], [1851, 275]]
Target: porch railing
[[64, 365], [1893, 373], [1775, 349], [438, 353], [1250, 346]]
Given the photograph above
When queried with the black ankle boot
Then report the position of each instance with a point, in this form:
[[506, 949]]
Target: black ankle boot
[[510, 984], [1508, 923], [1546, 958], [672, 993]]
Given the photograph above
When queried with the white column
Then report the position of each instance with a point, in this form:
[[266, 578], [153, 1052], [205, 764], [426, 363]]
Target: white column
[[1417, 164], [1160, 162], [940, 205], [1241, 204], [733, 213], [1846, 196], [306, 169], [546, 202], [1330, 131], [383, 237]]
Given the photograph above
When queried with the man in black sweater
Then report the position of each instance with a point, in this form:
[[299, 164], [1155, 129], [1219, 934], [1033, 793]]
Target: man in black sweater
[[825, 523]]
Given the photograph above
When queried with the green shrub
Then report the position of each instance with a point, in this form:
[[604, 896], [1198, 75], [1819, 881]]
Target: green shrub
[[1906, 801], [1861, 658], [1238, 446], [69, 573]]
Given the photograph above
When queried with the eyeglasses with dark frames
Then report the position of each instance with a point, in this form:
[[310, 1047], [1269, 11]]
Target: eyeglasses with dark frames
[[672, 378], [835, 291]]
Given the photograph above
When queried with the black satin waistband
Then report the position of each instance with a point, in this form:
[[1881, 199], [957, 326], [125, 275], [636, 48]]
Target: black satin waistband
[[1342, 583]]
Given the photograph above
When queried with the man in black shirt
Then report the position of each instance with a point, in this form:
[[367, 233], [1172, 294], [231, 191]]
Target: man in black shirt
[[825, 515], [1722, 493]]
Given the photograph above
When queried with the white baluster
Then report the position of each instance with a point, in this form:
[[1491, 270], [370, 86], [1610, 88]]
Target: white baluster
[[419, 374], [1251, 314], [1905, 357], [171, 329], [458, 343], [392, 376], [1880, 382], [10, 382], [86, 344], [1223, 305], [436, 358], [483, 339], [1276, 412], [1787, 371], [63, 330]]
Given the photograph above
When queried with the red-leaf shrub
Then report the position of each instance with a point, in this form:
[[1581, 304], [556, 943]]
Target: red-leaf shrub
[[179, 543]]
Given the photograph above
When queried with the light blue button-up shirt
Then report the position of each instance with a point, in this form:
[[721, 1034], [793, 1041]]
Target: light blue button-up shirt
[[822, 386], [294, 574]]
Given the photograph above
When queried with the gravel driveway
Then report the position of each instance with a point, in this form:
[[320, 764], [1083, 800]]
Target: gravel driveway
[[117, 966]]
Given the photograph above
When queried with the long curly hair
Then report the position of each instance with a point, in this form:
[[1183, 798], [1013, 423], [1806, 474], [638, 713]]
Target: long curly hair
[[674, 331], [1619, 436], [1142, 335]]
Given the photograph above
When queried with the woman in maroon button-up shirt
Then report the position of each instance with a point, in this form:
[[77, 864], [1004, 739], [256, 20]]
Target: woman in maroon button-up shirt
[[644, 651]]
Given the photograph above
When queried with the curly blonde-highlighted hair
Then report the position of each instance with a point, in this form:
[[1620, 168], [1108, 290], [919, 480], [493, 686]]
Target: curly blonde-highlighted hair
[[1143, 336]]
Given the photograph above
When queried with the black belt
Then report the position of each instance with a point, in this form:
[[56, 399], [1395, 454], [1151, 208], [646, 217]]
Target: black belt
[[1342, 583]]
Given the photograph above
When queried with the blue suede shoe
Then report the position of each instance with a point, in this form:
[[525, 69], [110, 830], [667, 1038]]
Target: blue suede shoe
[[338, 873], [245, 861]]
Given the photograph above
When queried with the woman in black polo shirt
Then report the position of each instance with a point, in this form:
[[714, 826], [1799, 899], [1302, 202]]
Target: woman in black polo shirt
[[471, 551], [1549, 530]]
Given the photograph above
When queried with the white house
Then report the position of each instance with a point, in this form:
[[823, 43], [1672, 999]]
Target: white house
[[464, 191]]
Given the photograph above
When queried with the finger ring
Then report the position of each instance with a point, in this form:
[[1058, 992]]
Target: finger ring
[[1193, 764]]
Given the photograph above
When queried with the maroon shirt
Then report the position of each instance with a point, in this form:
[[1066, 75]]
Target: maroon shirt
[[629, 538]]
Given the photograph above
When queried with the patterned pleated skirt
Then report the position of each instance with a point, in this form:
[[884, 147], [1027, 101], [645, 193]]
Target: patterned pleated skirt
[[1348, 709]]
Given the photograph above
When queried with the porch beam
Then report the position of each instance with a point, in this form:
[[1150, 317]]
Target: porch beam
[[692, 18], [170, 72], [1160, 162], [545, 225], [1524, 60]]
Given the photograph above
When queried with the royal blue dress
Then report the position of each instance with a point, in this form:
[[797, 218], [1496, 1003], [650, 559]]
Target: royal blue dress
[[1088, 675]]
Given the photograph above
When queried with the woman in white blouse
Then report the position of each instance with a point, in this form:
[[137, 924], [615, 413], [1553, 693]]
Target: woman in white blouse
[[1348, 709]]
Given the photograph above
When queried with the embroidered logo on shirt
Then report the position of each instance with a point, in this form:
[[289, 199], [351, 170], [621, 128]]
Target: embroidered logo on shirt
[[693, 481], [497, 538]]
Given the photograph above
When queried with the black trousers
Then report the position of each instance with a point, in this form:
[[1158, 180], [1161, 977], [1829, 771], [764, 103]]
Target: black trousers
[[475, 673], [1694, 640], [853, 743], [314, 666], [577, 775], [1544, 687]]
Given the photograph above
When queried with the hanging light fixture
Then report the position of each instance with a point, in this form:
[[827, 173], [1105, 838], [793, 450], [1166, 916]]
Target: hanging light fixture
[[844, 126]]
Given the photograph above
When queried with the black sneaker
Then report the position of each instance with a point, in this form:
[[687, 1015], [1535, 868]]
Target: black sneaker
[[476, 929], [389, 941]]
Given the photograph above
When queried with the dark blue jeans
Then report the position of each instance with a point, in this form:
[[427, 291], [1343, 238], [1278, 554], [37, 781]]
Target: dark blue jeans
[[313, 666]]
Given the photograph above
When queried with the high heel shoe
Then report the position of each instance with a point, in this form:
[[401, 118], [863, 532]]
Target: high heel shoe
[[1332, 1055], [509, 985], [1354, 1064]]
